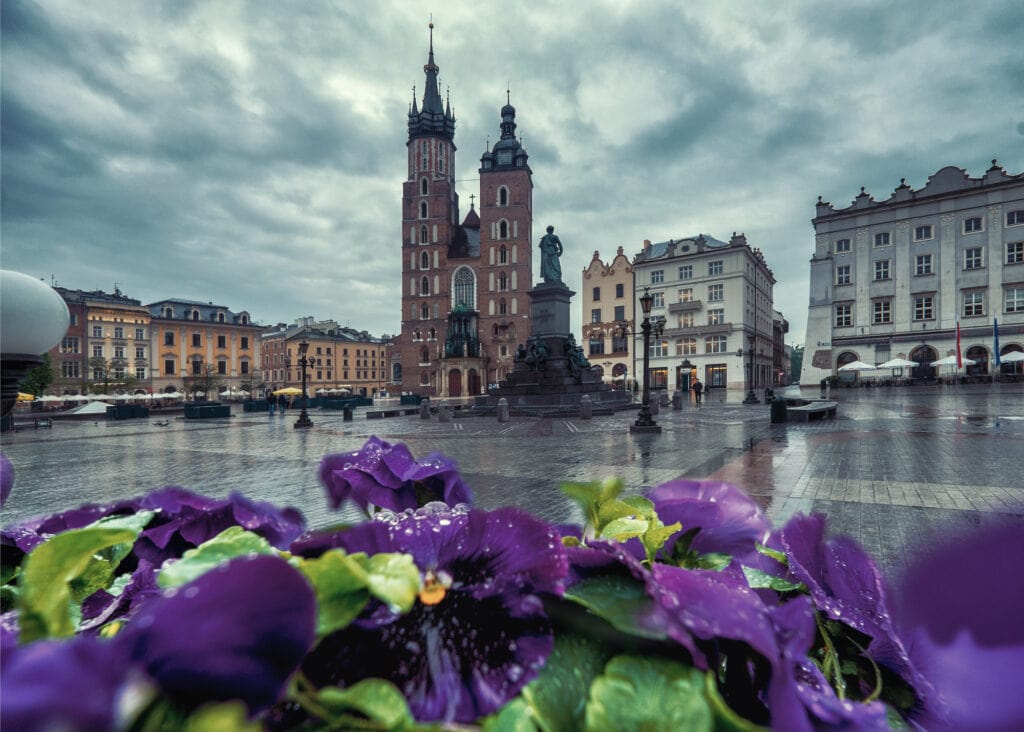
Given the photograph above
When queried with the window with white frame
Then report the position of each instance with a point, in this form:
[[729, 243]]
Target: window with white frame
[[140, 353], [974, 224], [686, 347], [1015, 217], [716, 293], [974, 303], [140, 373], [924, 307], [881, 269], [923, 264], [972, 258], [881, 312], [716, 316], [923, 232], [657, 276], [882, 239], [842, 245], [659, 299], [140, 334], [659, 348], [97, 351], [1014, 252], [1014, 301], [716, 344], [844, 316], [685, 320], [716, 267], [97, 331], [69, 344], [686, 294], [843, 274], [595, 315], [119, 332], [686, 272]]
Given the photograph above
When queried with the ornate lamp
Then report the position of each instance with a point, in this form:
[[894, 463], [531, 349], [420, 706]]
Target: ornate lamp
[[303, 420], [33, 319], [644, 421]]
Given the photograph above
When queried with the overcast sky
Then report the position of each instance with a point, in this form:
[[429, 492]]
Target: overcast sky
[[253, 153]]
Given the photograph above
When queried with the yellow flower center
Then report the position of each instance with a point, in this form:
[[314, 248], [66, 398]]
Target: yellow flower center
[[435, 587]]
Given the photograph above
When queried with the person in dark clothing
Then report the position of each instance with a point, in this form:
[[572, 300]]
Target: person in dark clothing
[[282, 403], [698, 388], [271, 403]]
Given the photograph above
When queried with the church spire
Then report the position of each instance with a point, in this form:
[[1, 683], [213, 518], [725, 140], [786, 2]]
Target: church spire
[[434, 117]]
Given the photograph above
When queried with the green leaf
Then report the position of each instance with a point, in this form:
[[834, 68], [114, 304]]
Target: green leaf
[[340, 584], [773, 553], [712, 560], [611, 510], [377, 704], [591, 496], [758, 579], [394, 579], [642, 507], [726, 720], [227, 717], [57, 572], [642, 693], [895, 719], [513, 717], [229, 544], [624, 528], [656, 536], [558, 696], [135, 521], [619, 599]]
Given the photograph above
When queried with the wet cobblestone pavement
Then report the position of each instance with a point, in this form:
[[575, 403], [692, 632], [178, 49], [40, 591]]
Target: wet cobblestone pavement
[[896, 468]]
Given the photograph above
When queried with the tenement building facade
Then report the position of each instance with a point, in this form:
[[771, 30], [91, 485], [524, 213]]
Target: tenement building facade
[[607, 300], [714, 301], [464, 280], [891, 279]]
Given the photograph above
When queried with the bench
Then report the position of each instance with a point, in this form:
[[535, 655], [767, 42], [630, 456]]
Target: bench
[[811, 411]]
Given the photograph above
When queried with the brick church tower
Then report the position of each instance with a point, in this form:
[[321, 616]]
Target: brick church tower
[[464, 303]]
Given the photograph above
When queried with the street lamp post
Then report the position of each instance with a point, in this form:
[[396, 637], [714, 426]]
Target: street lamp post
[[751, 397], [644, 421], [303, 420]]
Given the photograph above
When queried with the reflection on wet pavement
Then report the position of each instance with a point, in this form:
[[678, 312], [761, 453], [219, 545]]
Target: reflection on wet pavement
[[895, 468]]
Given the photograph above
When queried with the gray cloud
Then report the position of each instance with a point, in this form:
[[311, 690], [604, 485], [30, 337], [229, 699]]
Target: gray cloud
[[253, 154]]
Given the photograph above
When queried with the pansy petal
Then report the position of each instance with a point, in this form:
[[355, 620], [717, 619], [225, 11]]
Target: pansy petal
[[68, 685], [236, 632], [6, 478]]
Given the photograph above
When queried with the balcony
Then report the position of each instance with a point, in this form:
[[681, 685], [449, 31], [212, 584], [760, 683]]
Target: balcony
[[685, 307]]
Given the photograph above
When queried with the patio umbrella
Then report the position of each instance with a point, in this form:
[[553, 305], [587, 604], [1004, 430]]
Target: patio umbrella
[[23, 397], [857, 366], [951, 361], [49, 398], [75, 398], [1012, 357], [289, 391], [897, 363]]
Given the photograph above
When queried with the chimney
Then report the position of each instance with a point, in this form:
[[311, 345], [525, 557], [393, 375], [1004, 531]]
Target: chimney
[[647, 244]]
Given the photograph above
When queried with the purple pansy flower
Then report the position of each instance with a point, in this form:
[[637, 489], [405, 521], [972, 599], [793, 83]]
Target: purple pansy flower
[[478, 633], [845, 585], [237, 632], [960, 610], [729, 521], [386, 475], [71, 684], [6, 478]]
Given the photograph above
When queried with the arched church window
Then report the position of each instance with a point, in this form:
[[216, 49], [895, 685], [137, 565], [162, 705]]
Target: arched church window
[[424, 286], [503, 255], [503, 282], [502, 196], [423, 186], [503, 229], [425, 312], [424, 261], [423, 235], [423, 209], [464, 288], [502, 307]]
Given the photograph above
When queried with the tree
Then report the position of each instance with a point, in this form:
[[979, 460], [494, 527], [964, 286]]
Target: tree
[[205, 380], [796, 362], [38, 379]]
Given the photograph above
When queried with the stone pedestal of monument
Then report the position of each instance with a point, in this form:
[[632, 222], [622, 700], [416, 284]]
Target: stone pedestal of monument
[[550, 371]]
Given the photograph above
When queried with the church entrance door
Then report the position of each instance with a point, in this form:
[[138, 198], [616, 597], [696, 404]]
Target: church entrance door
[[454, 383]]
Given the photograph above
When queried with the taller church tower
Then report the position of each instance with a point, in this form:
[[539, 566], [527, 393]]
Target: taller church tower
[[464, 304]]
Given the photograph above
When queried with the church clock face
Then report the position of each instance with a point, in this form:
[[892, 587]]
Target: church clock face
[[505, 157]]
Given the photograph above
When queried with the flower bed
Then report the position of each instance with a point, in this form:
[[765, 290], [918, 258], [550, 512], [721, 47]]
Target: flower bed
[[681, 609]]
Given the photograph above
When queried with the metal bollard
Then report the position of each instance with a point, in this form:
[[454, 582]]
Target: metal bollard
[[586, 407], [503, 410], [424, 409], [677, 401], [655, 404]]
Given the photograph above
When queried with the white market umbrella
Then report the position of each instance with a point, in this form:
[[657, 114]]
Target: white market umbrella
[[898, 363], [49, 399], [98, 397], [951, 361], [171, 395], [1011, 357], [857, 366], [75, 398]]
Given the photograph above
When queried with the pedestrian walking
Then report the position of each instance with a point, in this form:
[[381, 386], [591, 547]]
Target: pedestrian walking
[[282, 403], [271, 403], [698, 388]]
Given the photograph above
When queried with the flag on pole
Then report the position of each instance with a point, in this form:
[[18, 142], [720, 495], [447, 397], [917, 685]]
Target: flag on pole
[[959, 358], [995, 339]]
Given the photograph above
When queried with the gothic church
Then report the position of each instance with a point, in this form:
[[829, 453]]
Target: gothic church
[[464, 282]]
